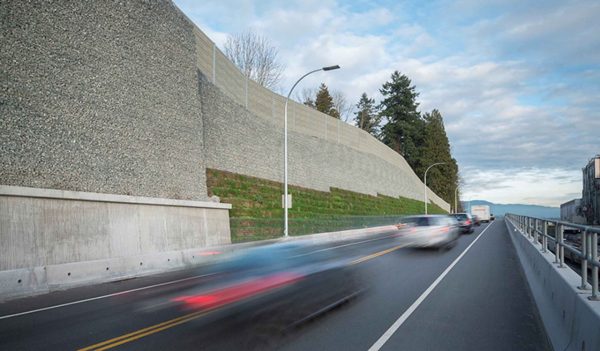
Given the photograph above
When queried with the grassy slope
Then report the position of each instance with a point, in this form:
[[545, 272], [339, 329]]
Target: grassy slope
[[257, 212]]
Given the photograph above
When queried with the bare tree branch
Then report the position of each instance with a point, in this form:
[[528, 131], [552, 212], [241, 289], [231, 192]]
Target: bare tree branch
[[306, 96], [340, 103], [254, 55]]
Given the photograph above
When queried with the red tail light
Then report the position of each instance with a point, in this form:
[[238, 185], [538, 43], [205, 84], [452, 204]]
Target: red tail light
[[238, 292], [467, 222]]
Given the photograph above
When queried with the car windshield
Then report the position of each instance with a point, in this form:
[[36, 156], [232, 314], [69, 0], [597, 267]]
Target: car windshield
[[460, 216], [425, 221]]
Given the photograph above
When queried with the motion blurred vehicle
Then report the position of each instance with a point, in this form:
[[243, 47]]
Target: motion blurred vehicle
[[481, 211], [437, 231], [476, 220], [465, 222], [270, 289], [492, 217]]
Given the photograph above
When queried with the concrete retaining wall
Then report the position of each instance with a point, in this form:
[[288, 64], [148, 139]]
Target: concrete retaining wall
[[64, 238], [104, 97], [244, 122], [572, 321], [234, 135]]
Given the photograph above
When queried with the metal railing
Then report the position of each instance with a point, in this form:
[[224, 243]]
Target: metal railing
[[540, 231]]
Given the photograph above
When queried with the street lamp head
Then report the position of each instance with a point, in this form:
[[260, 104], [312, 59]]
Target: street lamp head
[[330, 68]]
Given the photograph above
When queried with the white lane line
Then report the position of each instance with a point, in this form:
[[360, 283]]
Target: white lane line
[[398, 323], [102, 297]]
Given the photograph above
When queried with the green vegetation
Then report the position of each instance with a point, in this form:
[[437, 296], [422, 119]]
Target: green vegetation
[[257, 212], [323, 102], [419, 137]]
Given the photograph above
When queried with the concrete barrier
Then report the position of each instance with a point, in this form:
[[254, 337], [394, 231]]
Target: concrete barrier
[[53, 239], [572, 322]]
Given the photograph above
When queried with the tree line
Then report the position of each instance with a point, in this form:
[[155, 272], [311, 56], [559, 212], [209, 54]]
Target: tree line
[[395, 120]]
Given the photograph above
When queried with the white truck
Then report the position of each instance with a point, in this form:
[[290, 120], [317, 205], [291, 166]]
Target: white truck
[[481, 211]]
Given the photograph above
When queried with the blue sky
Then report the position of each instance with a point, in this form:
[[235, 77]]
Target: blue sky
[[518, 82]]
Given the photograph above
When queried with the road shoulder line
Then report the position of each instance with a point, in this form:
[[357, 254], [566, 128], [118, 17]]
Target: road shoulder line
[[398, 323]]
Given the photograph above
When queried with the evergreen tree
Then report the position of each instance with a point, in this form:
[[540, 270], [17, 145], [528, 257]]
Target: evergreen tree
[[367, 117], [436, 148], [403, 131], [324, 102]]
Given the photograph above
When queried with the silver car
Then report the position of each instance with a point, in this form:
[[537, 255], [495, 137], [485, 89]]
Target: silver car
[[438, 231]]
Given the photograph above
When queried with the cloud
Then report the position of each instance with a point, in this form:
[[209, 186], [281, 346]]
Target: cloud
[[530, 186]]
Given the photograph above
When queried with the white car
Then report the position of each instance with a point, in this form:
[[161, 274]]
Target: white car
[[438, 231]]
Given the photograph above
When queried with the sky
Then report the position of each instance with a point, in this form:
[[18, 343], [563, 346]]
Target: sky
[[517, 82]]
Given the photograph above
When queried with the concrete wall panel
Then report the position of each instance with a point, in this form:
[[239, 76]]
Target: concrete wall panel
[[41, 230]]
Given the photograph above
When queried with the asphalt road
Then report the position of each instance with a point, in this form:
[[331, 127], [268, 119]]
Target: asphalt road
[[472, 297]]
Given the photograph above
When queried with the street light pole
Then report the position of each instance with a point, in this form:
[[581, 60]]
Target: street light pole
[[425, 181], [456, 200], [285, 148]]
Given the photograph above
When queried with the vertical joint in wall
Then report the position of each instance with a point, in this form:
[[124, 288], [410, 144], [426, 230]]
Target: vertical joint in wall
[[214, 64]]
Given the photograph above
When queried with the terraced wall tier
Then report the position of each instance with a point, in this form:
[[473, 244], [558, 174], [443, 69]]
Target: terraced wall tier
[[257, 212]]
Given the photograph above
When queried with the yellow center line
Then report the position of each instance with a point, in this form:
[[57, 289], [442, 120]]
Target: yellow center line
[[377, 254], [146, 331], [114, 342]]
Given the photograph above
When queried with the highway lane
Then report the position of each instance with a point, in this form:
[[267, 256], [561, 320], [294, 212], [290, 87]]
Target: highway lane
[[482, 304], [91, 314], [396, 277]]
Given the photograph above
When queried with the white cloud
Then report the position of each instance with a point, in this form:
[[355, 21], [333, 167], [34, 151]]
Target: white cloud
[[549, 188]]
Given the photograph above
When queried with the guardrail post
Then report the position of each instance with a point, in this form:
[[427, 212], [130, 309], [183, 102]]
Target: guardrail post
[[556, 250], [545, 238], [594, 251], [521, 224], [561, 247], [534, 233], [584, 259]]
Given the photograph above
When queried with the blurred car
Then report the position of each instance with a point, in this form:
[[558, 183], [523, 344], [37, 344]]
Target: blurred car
[[492, 217], [465, 222], [271, 289], [437, 231], [476, 220]]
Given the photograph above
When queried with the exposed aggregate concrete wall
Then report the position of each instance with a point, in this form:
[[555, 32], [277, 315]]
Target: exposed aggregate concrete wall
[[100, 96]]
